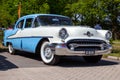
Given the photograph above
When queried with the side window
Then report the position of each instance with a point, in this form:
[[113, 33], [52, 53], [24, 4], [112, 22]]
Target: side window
[[20, 24], [36, 23], [28, 23]]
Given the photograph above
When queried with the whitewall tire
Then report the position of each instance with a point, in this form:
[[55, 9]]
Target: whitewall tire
[[11, 50], [47, 55]]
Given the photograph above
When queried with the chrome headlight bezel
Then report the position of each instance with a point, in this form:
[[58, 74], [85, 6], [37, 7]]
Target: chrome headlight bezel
[[63, 34], [108, 35]]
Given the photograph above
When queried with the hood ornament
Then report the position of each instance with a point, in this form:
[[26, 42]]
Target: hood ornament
[[88, 34]]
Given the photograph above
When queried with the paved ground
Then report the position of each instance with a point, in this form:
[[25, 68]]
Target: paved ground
[[29, 67]]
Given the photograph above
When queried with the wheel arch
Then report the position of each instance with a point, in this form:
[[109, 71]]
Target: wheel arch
[[37, 51], [7, 43]]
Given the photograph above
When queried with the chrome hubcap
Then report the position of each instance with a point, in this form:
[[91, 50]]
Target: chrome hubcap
[[47, 53], [10, 49]]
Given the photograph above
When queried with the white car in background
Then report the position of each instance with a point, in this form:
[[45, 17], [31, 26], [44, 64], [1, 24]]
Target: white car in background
[[53, 36]]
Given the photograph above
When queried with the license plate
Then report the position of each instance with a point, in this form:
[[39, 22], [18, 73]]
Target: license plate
[[89, 52]]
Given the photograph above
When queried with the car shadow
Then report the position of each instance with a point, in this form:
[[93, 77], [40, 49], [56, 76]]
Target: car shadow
[[28, 55], [65, 61], [77, 61], [71, 61], [3, 50], [5, 64]]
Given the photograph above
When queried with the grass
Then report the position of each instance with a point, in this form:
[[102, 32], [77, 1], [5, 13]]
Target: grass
[[2, 48], [115, 49]]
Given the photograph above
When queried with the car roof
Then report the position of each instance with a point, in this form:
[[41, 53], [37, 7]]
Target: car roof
[[35, 15]]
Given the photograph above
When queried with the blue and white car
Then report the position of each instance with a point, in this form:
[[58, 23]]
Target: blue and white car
[[53, 36]]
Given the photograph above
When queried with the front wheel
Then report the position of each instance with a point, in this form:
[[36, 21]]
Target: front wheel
[[11, 50], [92, 59], [47, 54]]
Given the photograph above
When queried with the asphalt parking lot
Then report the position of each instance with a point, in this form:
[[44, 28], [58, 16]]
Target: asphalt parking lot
[[24, 66]]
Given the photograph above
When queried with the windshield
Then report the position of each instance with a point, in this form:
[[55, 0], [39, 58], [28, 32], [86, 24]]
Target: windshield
[[55, 21]]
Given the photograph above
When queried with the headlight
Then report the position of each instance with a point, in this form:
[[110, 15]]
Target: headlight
[[63, 33], [108, 35]]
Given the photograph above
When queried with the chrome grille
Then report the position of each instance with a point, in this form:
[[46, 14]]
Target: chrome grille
[[86, 45]]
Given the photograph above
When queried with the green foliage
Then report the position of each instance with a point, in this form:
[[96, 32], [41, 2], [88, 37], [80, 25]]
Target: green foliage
[[9, 9], [116, 49], [83, 12]]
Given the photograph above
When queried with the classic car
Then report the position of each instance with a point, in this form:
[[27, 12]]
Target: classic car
[[53, 36]]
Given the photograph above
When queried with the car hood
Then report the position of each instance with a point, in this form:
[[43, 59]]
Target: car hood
[[73, 32]]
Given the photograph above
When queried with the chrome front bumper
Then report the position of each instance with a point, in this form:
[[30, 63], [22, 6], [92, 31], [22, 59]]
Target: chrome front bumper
[[63, 50]]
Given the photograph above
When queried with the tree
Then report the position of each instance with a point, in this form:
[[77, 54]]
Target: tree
[[113, 11], [89, 12], [9, 9], [82, 12]]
